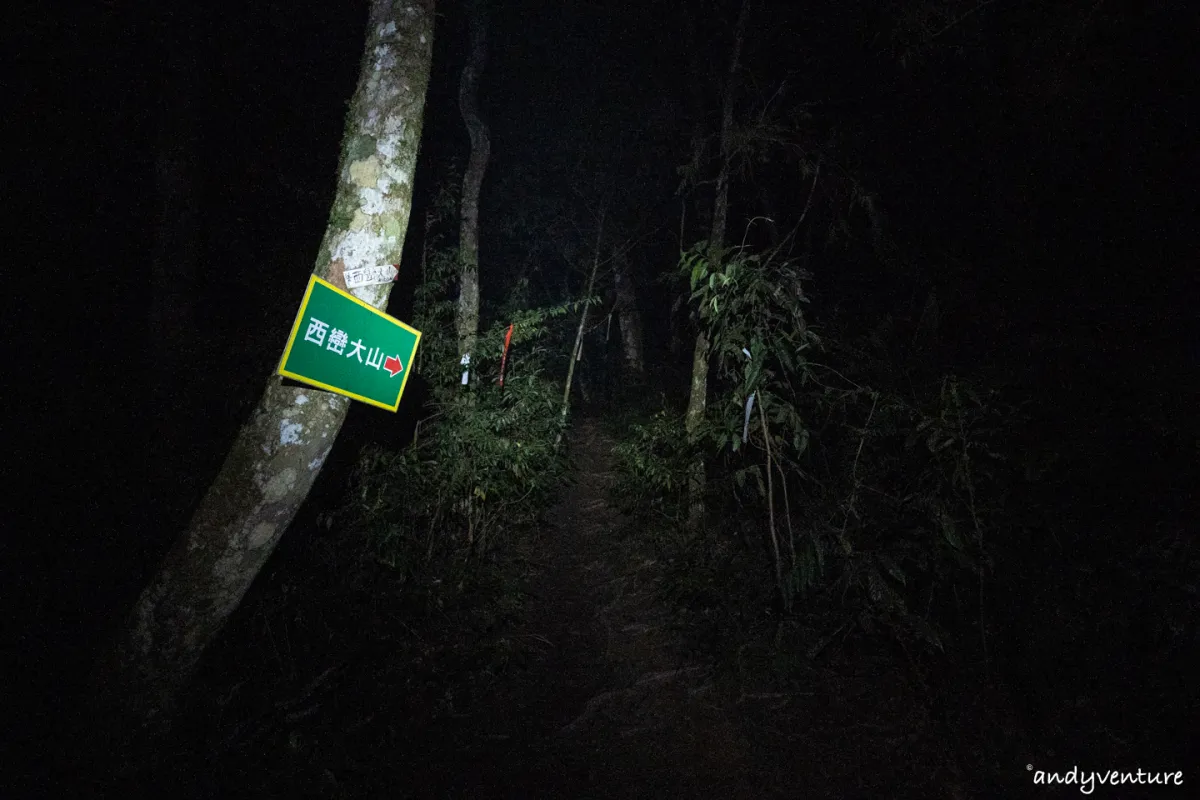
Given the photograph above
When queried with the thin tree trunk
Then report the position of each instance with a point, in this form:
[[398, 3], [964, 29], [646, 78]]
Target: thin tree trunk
[[468, 238], [698, 399], [278, 453], [762, 413], [583, 315], [678, 325], [678, 317], [629, 316], [716, 240]]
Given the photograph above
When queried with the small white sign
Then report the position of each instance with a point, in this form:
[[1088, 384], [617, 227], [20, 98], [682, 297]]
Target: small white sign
[[370, 276]]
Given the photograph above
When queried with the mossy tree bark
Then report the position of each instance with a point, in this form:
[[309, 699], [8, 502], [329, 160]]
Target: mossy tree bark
[[698, 398], [278, 453], [467, 321]]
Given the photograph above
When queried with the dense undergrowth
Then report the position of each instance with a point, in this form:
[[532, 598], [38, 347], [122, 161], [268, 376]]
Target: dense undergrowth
[[869, 505], [869, 509], [872, 512], [487, 456], [860, 490], [838, 471]]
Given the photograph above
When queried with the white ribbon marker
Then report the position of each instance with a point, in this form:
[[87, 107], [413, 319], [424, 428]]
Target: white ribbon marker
[[749, 407]]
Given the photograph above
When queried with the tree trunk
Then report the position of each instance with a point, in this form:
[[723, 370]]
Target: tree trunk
[[678, 316], [629, 316], [698, 399], [277, 454], [468, 238], [716, 239], [583, 315]]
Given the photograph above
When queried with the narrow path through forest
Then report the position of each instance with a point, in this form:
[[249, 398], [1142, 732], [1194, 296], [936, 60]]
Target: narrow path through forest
[[606, 707], [609, 706], [590, 690]]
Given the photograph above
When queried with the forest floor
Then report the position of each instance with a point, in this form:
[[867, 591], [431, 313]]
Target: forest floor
[[610, 706], [588, 689], [616, 705]]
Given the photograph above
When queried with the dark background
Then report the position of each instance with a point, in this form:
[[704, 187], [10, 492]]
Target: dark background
[[1036, 167]]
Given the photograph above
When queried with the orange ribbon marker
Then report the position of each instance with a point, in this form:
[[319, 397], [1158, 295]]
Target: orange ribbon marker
[[504, 358]]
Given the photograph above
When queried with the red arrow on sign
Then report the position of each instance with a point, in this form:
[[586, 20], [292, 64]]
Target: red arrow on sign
[[392, 365]]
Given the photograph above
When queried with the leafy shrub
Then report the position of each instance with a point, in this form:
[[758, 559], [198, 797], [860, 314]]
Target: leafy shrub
[[909, 518], [850, 482], [652, 464], [486, 466], [484, 463]]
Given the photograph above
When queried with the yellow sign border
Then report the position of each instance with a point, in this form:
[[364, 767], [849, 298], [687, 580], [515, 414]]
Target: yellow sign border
[[287, 351]]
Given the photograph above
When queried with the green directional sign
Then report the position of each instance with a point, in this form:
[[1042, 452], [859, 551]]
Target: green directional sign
[[341, 344]]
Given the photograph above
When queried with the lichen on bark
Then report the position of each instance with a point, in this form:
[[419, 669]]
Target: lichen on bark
[[277, 453]]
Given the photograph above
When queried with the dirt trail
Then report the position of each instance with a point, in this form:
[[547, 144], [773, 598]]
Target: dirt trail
[[605, 706], [588, 694], [608, 706]]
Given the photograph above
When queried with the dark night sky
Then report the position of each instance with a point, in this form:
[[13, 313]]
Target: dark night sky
[[1044, 182]]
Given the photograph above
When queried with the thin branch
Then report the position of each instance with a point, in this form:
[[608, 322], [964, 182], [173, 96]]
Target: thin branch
[[954, 22], [854, 477], [811, 190], [771, 507]]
